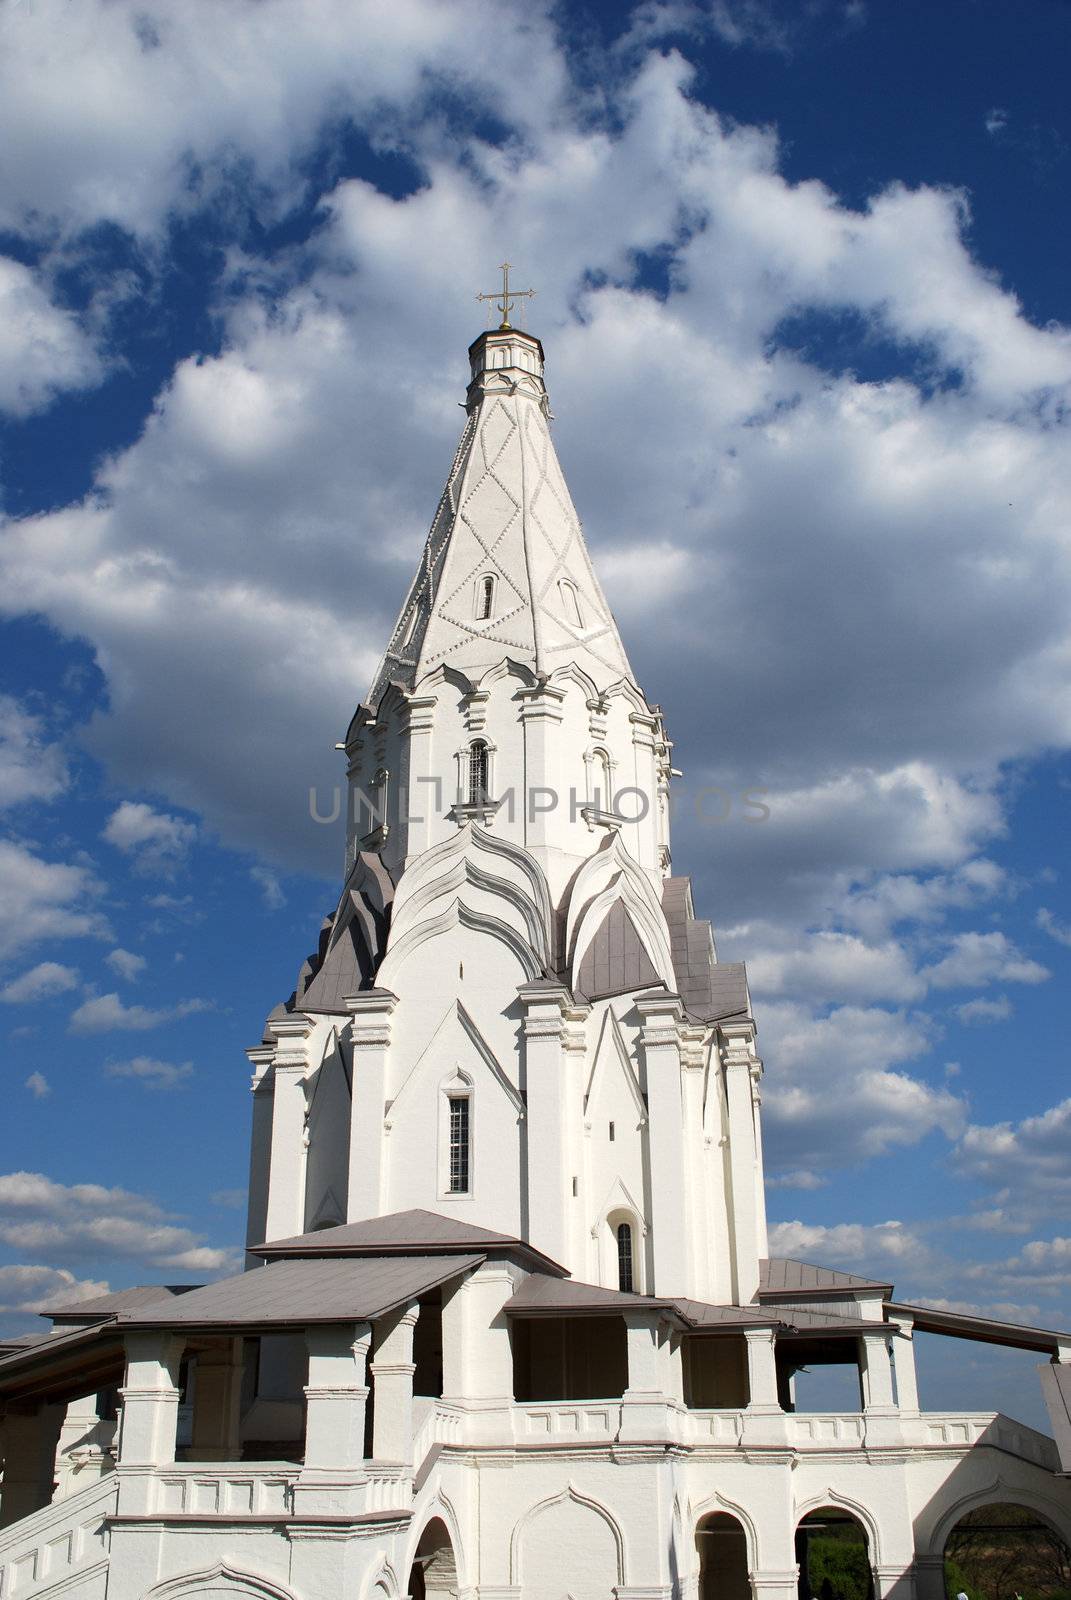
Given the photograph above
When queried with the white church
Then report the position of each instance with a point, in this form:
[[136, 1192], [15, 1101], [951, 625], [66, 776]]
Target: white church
[[509, 1328]]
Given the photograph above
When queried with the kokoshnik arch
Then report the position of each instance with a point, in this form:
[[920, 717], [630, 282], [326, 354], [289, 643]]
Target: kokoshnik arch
[[510, 1327]]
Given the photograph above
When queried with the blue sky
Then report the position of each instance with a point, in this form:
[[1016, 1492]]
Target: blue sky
[[803, 286]]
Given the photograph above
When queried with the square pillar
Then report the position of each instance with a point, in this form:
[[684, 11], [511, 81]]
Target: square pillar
[[331, 1482], [370, 1037], [644, 1409], [392, 1373], [149, 1417], [764, 1418], [907, 1392], [544, 1010], [29, 1437], [217, 1402], [661, 1045], [285, 1214], [478, 1352], [879, 1402]]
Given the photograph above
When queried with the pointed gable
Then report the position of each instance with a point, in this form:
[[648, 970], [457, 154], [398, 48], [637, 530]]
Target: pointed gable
[[615, 961]]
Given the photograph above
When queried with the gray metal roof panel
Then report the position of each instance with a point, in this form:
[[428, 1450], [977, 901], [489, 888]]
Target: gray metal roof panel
[[339, 1289]]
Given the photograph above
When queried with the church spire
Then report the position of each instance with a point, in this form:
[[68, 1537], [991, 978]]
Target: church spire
[[505, 571]]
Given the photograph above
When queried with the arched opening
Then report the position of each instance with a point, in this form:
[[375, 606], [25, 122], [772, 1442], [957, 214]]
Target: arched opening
[[721, 1544], [600, 782], [998, 1551], [477, 775], [834, 1558], [485, 598], [434, 1569]]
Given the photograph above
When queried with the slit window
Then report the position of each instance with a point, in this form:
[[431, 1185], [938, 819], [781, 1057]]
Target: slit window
[[570, 601], [459, 1144], [485, 598], [625, 1277], [477, 775]]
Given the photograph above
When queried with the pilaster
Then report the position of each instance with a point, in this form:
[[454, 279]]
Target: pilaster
[[742, 1067], [660, 1040], [541, 800], [370, 1030], [420, 796], [286, 1186], [544, 1008]]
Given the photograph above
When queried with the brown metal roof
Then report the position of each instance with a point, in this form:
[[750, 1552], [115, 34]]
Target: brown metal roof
[[63, 1364], [106, 1305], [957, 1324], [540, 1296], [404, 1233], [289, 1293], [782, 1276]]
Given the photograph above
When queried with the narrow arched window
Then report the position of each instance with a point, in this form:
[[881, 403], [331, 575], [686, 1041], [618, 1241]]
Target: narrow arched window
[[624, 1257], [570, 601], [601, 782], [460, 1144], [381, 783], [477, 772], [485, 598]]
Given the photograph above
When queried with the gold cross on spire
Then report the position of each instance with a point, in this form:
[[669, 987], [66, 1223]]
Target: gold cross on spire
[[508, 298]]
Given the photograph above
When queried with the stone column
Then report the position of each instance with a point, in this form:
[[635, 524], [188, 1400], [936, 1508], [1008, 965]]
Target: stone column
[[370, 1034], [478, 1354], [665, 1125], [29, 1435], [644, 1412], [331, 1482], [544, 1008], [286, 1184], [741, 1071], [392, 1373], [217, 1402], [150, 1401]]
